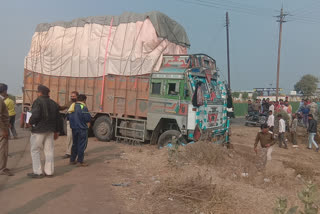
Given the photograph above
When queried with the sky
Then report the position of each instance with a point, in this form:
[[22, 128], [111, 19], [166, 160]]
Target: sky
[[253, 34]]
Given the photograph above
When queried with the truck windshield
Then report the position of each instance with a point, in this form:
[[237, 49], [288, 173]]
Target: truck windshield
[[204, 86], [215, 88]]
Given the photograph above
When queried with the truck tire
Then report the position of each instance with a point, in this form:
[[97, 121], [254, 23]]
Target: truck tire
[[103, 129], [166, 137]]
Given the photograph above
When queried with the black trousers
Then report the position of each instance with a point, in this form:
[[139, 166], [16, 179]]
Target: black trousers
[[12, 122]]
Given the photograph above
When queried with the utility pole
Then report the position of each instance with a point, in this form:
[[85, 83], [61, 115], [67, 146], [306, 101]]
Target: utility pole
[[228, 57], [280, 20]]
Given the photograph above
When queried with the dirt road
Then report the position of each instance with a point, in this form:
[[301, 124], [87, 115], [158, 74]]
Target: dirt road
[[147, 172], [71, 190]]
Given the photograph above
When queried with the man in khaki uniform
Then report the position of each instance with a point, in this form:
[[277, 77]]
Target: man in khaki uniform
[[4, 132], [266, 139]]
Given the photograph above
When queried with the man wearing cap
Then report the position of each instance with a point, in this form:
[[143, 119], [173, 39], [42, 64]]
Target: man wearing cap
[[79, 118], [46, 124], [4, 132], [266, 139]]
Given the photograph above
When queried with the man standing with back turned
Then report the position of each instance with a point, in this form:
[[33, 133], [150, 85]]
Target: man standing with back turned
[[4, 132], [79, 117], [46, 125]]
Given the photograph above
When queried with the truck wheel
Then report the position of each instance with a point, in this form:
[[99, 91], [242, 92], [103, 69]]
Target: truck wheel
[[166, 138], [103, 129]]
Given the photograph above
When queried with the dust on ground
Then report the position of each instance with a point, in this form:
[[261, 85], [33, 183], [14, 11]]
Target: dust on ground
[[198, 178], [71, 190], [208, 178]]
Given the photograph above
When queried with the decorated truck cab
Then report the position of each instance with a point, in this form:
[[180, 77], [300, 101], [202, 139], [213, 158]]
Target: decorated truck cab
[[172, 91]]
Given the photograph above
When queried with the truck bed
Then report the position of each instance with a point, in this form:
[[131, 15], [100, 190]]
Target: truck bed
[[124, 96]]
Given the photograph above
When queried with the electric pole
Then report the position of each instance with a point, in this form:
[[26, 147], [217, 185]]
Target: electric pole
[[280, 20], [228, 57]]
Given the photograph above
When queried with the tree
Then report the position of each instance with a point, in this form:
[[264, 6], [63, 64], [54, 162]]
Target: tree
[[307, 85], [12, 97], [254, 95], [235, 94], [245, 95]]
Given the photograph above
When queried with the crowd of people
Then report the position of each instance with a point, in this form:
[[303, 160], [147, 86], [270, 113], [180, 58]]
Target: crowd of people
[[307, 113], [46, 124]]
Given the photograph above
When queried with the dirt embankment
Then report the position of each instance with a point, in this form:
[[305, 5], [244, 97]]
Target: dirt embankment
[[208, 178]]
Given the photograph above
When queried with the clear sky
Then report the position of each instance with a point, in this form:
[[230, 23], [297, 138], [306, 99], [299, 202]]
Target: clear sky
[[253, 34]]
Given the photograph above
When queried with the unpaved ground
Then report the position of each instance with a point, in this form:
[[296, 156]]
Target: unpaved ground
[[197, 178], [72, 190], [152, 173]]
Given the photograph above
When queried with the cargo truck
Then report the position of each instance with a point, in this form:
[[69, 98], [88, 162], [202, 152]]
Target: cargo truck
[[148, 101]]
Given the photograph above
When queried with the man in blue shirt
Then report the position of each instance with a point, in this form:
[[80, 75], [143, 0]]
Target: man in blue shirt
[[305, 109], [79, 117]]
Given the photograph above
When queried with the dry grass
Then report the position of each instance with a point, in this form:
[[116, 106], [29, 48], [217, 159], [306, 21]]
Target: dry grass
[[202, 171], [197, 193], [303, 170], [204, 153]]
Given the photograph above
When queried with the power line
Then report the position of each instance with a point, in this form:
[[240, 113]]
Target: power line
[[233, 5], [206, 4], [248, 6], [304, 10], [239, 8]]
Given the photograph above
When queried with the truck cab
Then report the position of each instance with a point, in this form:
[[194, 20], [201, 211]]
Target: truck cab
[[170, 109]]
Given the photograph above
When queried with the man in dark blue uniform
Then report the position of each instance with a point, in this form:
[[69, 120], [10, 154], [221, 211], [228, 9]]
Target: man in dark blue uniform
[[79, 117]]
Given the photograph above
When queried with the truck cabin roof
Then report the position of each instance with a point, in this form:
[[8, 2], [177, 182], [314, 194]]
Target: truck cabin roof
[[196, 63], [188, 61]]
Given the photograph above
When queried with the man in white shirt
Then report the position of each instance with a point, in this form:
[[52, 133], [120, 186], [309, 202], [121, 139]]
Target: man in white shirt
[[271, 107], [270, 121], [282, 130]]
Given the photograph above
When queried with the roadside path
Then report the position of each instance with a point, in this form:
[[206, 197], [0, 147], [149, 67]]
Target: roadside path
[[72, 189]]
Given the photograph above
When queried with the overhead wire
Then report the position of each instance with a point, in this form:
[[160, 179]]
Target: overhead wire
[[304, 10], [237, 5], [304, 14], [246, 9], [220, 6]]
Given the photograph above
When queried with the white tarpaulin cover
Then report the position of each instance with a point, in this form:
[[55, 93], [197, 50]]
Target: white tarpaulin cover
[[137, 43]]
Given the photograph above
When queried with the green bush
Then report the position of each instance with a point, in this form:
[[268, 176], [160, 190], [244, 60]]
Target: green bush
[[307, 196]]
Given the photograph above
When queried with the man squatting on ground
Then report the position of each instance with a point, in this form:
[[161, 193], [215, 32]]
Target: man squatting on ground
[[73, 99], [79, 117], [4, 132], [265, 137], [46, 124], [312, 130]]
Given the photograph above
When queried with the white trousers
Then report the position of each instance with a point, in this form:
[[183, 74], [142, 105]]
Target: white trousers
[[69, 139], [38, 142]]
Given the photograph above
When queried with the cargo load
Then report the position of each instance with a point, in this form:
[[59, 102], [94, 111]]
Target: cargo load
[[129, 44]]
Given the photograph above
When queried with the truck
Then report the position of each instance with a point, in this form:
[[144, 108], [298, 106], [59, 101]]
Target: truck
[[151, 105]]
